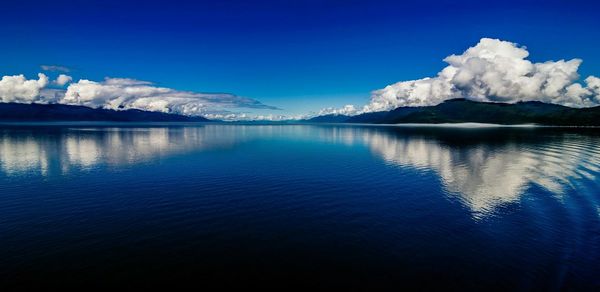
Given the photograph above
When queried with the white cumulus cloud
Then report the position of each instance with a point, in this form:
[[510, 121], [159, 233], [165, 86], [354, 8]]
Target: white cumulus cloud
[[63, 79], [491, 71], [17, 88], [125, 93], [347, 110]]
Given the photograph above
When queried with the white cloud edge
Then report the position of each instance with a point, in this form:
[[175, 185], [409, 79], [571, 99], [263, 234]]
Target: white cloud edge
[[126, 93], [491, 71]]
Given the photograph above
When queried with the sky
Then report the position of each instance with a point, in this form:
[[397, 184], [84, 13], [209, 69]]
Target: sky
[[285, 57]]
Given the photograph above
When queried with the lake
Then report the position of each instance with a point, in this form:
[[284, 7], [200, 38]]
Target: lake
[[299, 206]]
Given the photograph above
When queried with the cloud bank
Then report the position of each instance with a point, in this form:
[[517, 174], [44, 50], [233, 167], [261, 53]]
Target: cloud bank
[[124, 93], [491, 71], [347, 110]]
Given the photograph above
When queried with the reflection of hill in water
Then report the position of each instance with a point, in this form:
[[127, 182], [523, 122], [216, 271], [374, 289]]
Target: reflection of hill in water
[[486, 168]]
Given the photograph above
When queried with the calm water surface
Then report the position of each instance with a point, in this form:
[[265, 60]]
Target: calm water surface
[[300, 206]]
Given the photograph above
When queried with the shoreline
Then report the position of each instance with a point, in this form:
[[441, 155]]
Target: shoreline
[[466, 125]]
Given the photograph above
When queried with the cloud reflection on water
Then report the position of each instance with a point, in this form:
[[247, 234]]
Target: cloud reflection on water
[[483, 168], [493, 169], [32, 151]]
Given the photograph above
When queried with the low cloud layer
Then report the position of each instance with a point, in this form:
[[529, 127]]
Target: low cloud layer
[[348, 110], [123, 93], [491, 71]]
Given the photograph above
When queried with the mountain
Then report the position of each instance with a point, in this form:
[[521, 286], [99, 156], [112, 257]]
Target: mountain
[[17, 112], [466, 111]]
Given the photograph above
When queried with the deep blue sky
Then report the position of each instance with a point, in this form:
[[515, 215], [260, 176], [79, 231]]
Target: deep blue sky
[[297, 55]]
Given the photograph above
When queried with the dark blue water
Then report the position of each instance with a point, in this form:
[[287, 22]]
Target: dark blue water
[[291, 206]]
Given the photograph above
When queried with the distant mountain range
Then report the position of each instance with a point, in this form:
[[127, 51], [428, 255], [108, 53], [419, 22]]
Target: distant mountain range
[[466, 111], [17, 112], [451, 111]]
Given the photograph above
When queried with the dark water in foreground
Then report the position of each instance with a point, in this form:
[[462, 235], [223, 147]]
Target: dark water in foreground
[[300, 206]]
